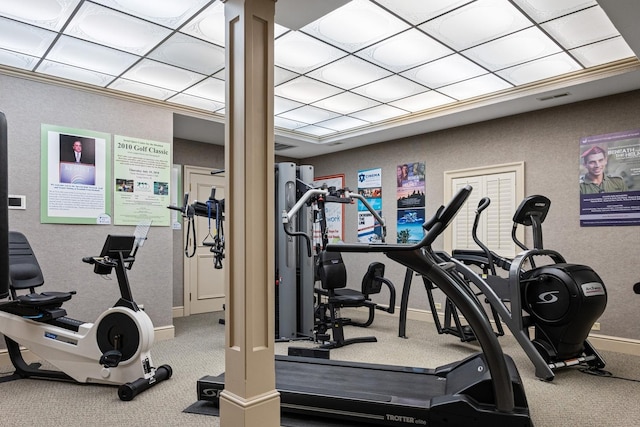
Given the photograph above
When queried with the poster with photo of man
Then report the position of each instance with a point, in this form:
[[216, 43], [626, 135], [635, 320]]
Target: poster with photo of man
[[609, 180]]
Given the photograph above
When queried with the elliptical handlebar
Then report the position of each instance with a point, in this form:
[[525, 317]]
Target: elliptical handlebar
[[418, 258]]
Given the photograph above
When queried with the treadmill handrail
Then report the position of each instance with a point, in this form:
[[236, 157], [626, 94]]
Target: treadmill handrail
[[418, 258]]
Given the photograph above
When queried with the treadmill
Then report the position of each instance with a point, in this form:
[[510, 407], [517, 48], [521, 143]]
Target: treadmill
[[484, 389]]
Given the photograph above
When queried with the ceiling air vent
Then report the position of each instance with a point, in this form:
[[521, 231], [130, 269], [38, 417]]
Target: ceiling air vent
[[279, 147], [550, 97]]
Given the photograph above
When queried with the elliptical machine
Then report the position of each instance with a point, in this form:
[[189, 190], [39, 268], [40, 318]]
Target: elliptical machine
[[560, 301], [113, 350]]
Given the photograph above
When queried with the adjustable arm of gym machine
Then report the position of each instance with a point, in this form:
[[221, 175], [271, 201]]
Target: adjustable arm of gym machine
[[330, 195]]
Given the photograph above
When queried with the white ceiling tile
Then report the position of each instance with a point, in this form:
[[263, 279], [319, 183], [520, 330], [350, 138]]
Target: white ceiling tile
[[543, 10], [390, 88], [91, 56], [355, 25], [170, 13], [349, 72], [281, 75], [422, 101], [24, 38], [343, 123], [477, 86], [306, 90], [309, 114], [379, 113], [476, 23], [419, 11], [603, 52], [74, 73], [49, 14], [115, 29], [315, 131], [405, 50], [162, 75], [445, 71], [581, 28], [196, 102], [190, 53], [209, 88], [523, 46], [208, 25], [346, 103], [141, 89], [298, 52], [281, 122], [540, 69], [18, 60], [280, 105]]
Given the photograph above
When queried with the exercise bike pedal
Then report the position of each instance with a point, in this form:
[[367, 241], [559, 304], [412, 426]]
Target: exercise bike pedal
[[111, 359]]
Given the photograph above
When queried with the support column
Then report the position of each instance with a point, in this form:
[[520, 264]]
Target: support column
[[249, 398]]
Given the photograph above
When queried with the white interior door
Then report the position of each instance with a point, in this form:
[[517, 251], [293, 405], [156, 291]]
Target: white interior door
[[204, 284]]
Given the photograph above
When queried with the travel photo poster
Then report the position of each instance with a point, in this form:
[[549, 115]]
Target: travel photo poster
[[75, 176], [142, 173], [410, 202], [610, 179], [370, 187]]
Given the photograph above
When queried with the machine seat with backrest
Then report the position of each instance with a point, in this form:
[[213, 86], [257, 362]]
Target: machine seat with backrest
[[333, 277], [25, 275], [372, 282]]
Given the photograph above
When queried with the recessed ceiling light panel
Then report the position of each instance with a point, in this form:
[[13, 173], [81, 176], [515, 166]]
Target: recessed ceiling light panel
[[418, 12], [540, 69], [190, 53], [390, 89], [74, 73], [280, 105], [170, 13], [210, 88], [18, 60], [343, 123], [581, 28], [316, 131], [298, 52], [379, 113], [603, 52], [355, 25], [309, 114], [208, 25], [477, 86], [514, 49], [141, 89], [306, 90], [115, 29], [162, 75], [423, 101], [346, 103], [49, 14], [196, 102], [405, 50], [544, 10], [476, 23], [445, 71], [24, 38], [91, 56], [349, 72]]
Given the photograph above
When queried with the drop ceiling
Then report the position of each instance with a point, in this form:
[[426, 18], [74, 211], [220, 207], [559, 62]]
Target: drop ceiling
[[365, 72]]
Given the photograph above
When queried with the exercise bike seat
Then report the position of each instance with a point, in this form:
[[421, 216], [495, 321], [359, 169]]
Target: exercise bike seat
[[25, 274]]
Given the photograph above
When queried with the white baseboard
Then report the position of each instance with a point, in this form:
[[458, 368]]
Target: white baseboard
[[178, 311]]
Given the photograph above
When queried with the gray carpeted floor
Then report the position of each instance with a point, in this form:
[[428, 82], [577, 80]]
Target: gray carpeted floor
[[573, 398]]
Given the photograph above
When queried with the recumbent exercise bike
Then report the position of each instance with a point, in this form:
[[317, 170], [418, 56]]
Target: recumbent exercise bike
[[114, 350]]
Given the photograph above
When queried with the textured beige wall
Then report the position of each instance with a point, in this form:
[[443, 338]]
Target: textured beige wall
[[60, 247], [547, 141]]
